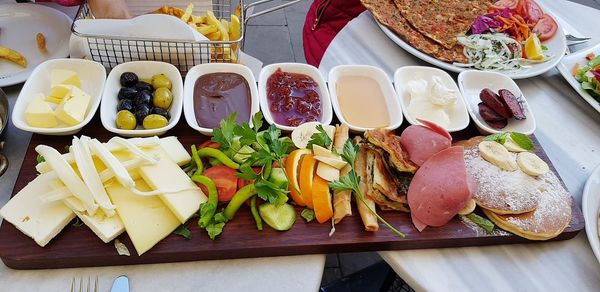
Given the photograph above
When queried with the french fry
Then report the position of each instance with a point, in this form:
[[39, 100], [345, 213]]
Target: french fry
[[211, 19], [41, 42], [234, 28], [13, 56], [197, 19], [238, 11], [215, 36], [226, 25], [206, 29], [188, 12]]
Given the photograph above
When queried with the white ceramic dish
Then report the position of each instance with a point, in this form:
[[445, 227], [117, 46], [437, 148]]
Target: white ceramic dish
[[567, 64], [556, 47], [326, 111], [20, 23], [459, 117], [590, 205], [144, 70], [92, 76], [472, 82], [376, 74], [199, 70]]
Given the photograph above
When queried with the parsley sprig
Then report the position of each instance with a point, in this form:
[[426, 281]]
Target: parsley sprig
[[320, 138], [350, 182]]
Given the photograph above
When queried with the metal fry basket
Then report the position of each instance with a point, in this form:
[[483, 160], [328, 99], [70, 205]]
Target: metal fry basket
[[184, 54]]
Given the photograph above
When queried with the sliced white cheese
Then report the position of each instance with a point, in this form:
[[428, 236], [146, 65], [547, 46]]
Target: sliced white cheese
[[165, 175], [39, 220], [106, 228], [147, 220], [175, 150]]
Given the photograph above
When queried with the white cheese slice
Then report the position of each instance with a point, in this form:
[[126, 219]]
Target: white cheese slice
[[39, 220], [106, 228], [147, 220], [165, 175], [175, 150]]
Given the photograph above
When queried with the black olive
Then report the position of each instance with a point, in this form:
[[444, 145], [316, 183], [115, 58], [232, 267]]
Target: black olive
[[128, 79], [143, 97], [141, 85], [141, 111], [125, 104], [127, 93], [162, 112]]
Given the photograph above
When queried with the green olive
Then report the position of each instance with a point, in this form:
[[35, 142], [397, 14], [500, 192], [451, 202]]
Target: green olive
[[162, 98], [155, 121], [126, 120], [160, 81]]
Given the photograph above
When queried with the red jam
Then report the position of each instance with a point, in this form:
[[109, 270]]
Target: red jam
[[293, 98]]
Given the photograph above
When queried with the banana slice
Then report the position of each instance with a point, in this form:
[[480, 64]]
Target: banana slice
[[13, 56], [511, 146], [496, 154], [469, 208], [531, 164], [301, 135]]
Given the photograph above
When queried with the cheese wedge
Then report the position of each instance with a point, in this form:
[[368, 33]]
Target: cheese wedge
[[37, 219], [147, 219], [72, 111], [61, 91], [39, 113], [62, 76]]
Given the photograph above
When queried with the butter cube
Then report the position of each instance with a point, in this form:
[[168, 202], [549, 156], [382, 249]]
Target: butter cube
[[61, 91], [53, 100], [39, 113], [72, 111], [65, 77]]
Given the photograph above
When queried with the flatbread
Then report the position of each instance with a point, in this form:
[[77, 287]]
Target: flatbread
[[386, 12], [442, 20]]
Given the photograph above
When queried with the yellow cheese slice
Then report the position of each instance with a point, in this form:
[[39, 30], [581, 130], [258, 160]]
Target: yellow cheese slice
[[62, 76], [72, 111], [39, 113]]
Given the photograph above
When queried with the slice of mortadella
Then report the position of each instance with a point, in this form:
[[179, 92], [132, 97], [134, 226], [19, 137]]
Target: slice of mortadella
[[422, 142], [440, 188]]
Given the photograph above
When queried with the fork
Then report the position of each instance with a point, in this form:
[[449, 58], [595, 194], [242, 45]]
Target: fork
[[88, 285]]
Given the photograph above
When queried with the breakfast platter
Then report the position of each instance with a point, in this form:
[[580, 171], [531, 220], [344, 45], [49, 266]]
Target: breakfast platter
[[484, 23]]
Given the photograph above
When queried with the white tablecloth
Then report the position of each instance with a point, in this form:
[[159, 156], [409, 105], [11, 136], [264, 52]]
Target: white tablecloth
[[296, 273], [568, 129]]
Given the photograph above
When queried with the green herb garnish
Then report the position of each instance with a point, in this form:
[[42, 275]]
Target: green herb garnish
[[39, 159], [482, 222], [520, 139], [308, 215], [498, 137], [351, 181], [320, 138], [183, 231]]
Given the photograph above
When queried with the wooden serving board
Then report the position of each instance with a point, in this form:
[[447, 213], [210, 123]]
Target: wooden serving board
[[79, 247]]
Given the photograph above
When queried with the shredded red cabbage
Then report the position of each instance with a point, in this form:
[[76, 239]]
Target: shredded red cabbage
[[484, 23], [596, 74]]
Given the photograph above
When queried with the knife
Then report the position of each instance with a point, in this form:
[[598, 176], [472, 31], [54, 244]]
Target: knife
[[121, 284]]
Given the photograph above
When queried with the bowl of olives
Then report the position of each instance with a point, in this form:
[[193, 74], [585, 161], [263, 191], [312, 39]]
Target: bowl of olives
[[142, 98]]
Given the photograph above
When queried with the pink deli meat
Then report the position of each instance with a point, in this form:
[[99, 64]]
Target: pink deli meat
[[423, 142], [439, 189]]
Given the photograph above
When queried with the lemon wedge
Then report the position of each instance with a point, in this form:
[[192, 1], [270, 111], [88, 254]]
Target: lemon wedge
[[533, 48]]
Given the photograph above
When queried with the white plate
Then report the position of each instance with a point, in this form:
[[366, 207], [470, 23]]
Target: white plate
[[144, 70], [326, 111], [92, 75], [393, 106], [566, 65], [459, 117], [202, 69], [556, 47], [19, 23], [590, 204], [472, 82]]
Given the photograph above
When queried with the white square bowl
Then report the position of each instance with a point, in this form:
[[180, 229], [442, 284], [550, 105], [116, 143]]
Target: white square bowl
[[92, 75], [144, 70], [472, 82], [459, 117], [202, 69], [389, 95], [314, 73]]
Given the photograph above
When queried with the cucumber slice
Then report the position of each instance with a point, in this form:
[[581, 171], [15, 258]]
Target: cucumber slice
[[278, 177], [243, 154], [280, 217]]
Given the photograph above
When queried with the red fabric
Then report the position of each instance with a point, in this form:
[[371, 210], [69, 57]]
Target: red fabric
[[336, 15], [64, 2]]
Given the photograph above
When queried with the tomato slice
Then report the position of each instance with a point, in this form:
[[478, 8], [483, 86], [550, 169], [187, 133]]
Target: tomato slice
[[531, 11], [209, 143], [224, 179], [502, 4], [545, 28]]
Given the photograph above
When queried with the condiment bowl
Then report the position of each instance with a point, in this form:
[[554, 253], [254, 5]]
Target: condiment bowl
[[313, 72], [92, 75], [384, 82], [144, 70], [472, 82], [199, 70], [459, 117]]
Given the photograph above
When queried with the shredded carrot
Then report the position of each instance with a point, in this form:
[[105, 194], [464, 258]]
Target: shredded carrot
[[575, 69], [590, 56], [514, 25]]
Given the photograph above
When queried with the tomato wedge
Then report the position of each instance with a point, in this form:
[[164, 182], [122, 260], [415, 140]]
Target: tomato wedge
[[210, 144], [502, 4], [545, 28], [225, 180], [531, 11]]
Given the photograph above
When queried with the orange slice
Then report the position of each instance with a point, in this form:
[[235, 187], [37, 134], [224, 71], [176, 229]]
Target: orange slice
[[292, 169], [321, 199], [307, 174]]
